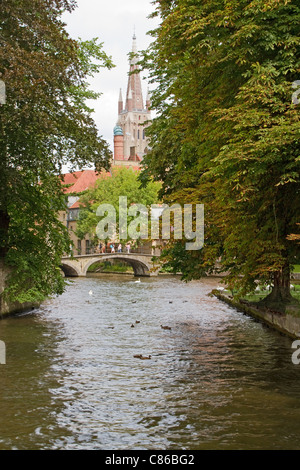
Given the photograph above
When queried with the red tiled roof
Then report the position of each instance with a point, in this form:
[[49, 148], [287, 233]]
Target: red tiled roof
[[80, 181], [71, 178], [76, 205]]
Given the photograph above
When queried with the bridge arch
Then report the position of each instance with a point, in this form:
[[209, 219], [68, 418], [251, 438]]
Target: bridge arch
[[69, 269], [140, 267]]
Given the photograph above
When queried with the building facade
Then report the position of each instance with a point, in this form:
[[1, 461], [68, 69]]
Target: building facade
[[134, 116], [75, 184]]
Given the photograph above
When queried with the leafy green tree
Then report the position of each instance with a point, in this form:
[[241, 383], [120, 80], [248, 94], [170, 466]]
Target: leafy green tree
[[123, 182], [227, 134], [44, 124]]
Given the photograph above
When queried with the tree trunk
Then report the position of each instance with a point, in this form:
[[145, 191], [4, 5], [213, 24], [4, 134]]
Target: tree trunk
[[4, 225], [280, 297]]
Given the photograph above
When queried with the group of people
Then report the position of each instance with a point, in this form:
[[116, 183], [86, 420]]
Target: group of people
[[111, 247]]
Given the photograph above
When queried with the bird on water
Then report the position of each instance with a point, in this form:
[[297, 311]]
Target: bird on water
[[140, 356], [165, 327]]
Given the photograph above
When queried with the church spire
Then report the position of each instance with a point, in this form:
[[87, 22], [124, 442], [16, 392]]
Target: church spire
[[130, 141], [134, 44], [134, 81], [130, 100], [120, 101]]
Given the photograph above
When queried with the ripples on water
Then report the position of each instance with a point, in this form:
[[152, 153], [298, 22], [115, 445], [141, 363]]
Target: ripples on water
[[216, 380]]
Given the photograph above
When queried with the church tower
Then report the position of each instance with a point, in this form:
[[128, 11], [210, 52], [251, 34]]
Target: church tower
[[133, 118]]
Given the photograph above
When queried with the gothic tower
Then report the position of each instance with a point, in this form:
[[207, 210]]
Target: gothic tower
[[133, 118]]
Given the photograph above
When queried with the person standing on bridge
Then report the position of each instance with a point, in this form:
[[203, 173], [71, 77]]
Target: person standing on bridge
[[112, 247], [119, 248], [128, 247]]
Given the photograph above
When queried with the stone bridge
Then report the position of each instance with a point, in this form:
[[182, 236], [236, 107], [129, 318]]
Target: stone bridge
[[77, 266]]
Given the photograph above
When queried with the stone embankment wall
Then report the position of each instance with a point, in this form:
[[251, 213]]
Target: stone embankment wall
[[284, 323], [12, 307]]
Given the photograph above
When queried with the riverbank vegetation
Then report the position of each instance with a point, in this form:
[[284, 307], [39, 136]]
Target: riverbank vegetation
[[122, 182], [227, 135], [45, 123]]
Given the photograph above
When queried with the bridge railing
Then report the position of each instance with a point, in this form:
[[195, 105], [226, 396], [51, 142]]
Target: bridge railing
[[123, 253], [154, 251]]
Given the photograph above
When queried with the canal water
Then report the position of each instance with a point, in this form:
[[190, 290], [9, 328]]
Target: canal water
[[216, 380]]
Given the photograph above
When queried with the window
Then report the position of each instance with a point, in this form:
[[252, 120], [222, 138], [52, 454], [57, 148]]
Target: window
[[73, 214]]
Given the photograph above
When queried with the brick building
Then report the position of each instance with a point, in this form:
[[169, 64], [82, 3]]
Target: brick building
[[75, 184], [134, 116]]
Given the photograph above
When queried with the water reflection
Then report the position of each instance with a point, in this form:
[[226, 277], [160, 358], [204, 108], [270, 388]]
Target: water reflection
[[217, 379]]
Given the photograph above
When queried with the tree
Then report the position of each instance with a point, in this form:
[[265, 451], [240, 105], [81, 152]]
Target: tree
[[123, 182], [44, 124], [228, 134]]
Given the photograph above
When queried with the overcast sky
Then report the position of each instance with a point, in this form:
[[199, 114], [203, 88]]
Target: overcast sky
[[113, 22]]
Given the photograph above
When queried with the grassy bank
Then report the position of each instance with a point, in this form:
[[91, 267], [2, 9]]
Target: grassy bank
[[257, 296], [253, 299], [110, 267]]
